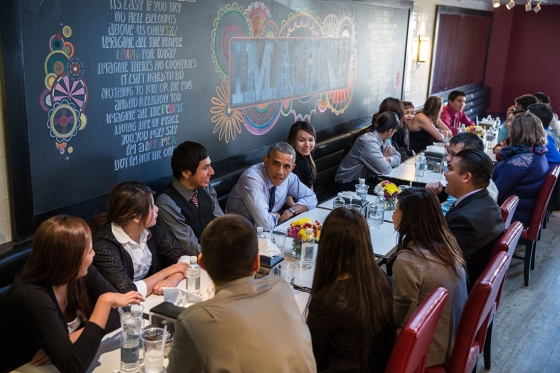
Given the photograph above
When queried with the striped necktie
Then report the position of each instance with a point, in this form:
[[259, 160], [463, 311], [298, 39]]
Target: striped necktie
[[194, 199]]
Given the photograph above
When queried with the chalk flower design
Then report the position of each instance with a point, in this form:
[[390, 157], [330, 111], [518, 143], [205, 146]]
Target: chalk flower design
[[227, 120]]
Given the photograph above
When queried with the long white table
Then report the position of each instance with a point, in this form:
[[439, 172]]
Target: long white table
[[407, 173], [388, 217], [383, 240]]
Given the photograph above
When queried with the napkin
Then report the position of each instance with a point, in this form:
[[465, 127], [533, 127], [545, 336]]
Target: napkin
[[435, 149], [350, 195], [180, 297], [268, 248]]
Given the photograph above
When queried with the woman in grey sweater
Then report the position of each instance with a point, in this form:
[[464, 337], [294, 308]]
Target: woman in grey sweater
[[428, 256]]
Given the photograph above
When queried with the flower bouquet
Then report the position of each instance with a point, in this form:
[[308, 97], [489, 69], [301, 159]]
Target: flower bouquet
[[477, 130], [389, 192], [297, 231]]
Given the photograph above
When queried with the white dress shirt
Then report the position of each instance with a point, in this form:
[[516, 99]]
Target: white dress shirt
[[139, 252]]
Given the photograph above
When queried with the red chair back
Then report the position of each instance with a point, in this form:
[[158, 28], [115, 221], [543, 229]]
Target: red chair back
[[542, 203], [476, 313], [507, 243], [509, 239], [410, 352], [508, 209]]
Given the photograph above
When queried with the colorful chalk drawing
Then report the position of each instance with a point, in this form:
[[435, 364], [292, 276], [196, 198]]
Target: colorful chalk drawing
[[66, 94], [234, 21]]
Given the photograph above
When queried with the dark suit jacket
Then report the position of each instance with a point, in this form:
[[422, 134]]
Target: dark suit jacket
[[477, 224]]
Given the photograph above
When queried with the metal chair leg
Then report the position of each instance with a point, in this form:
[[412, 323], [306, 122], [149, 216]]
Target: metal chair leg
[[527, 262], [488, 346], [534, 255]]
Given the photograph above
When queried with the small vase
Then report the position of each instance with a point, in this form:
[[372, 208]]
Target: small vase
[[296, 249], [390, 204]]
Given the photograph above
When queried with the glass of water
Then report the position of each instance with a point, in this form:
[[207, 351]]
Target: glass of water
[[374, 215]]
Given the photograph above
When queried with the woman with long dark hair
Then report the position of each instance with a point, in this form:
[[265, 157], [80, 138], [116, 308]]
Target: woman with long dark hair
[[302, 137], [388, 104], [428, 256], [372, 154], [132, 252], [523, 165], [350, 311], [401, 139], [426, 126], [58, 307]]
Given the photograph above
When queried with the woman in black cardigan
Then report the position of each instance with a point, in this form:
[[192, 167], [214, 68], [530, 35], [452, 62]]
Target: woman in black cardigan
[[131, 251], [59, 307]]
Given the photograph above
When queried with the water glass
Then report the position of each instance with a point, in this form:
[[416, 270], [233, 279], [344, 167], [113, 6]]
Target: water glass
[[356, 207], [374, 215], [361, 191], [286, 270], [153, 341], [279, 239]]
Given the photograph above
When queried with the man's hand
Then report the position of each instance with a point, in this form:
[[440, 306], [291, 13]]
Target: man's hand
[[388, 151], [435, 187], [287, 214]]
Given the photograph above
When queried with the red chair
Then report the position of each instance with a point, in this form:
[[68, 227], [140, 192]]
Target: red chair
[[471, 332], [507, 243], [531, 233], [508, 209], [410, 352]]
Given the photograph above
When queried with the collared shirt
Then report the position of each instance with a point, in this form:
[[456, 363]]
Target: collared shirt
[[492, 191], [139, 252], [240, 312], [465, 196], [453, 120], [171, 219], [366, 159], [250, 196]]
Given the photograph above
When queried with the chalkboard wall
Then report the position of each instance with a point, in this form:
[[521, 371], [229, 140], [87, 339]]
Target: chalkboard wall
[[98, 92]]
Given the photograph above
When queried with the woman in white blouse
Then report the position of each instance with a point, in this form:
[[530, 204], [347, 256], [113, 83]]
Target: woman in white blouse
[[132, 252]]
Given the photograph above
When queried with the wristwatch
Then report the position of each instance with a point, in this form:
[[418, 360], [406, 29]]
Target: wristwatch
[[293, 211]]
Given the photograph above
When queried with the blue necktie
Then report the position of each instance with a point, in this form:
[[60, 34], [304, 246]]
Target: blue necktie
[[272, 198]]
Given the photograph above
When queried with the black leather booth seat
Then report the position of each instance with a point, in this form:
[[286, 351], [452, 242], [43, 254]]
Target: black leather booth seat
[[12, 259]]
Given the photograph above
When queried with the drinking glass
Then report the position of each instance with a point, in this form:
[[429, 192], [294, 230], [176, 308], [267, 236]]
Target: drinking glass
[[374, 215], [279, 239], [286, 270], [153, 341], [361, 191]]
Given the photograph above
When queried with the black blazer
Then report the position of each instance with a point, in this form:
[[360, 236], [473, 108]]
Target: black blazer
[[477, 224], [115, 264]]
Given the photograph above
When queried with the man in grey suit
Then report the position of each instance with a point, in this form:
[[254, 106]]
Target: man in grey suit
[[250, 325], [475, 219]]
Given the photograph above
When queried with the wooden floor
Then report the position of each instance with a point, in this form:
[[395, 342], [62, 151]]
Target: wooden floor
[[527, 325]]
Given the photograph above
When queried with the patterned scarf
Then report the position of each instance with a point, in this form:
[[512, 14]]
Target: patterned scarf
[[510, 151]]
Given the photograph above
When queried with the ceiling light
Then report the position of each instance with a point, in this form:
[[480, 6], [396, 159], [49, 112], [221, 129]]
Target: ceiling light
[[528, 6], [496, 3], [510, 5], [537, 7]]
